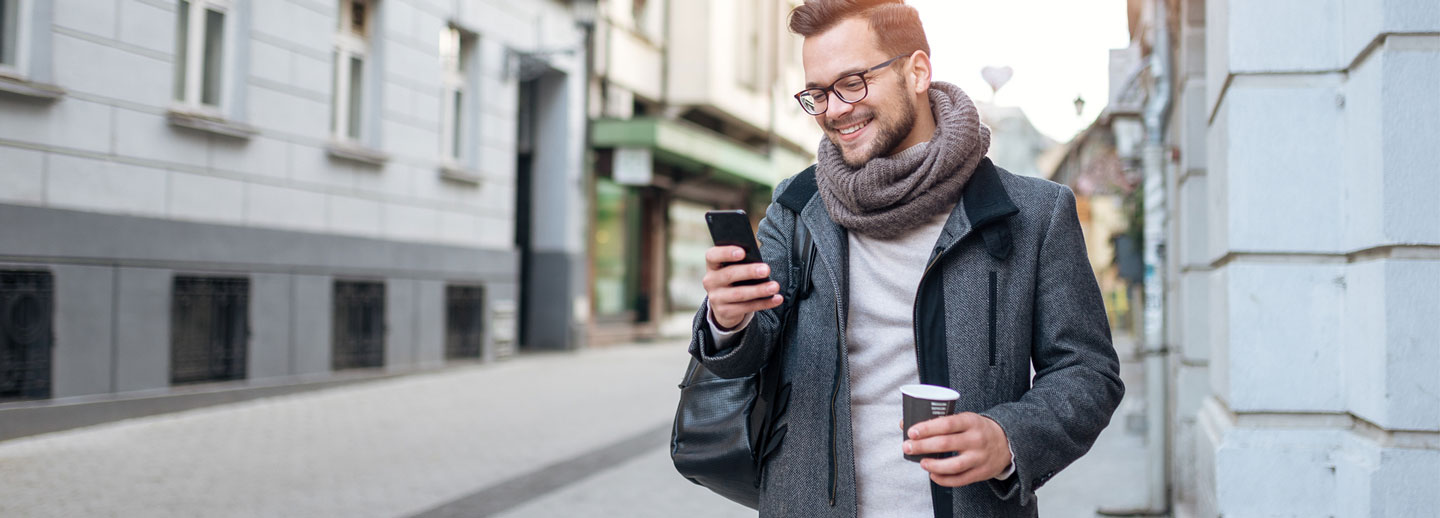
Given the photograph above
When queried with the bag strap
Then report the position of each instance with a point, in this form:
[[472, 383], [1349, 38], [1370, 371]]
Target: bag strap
[[799, 192], [774, 392], [802, 249]]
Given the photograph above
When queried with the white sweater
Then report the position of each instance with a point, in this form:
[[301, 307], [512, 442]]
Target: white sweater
[[884, 276]]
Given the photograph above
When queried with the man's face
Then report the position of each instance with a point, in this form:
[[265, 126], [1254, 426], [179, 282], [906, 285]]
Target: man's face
[[879, 122]]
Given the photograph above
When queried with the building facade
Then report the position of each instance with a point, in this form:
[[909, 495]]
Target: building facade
[[691, 110], [1293, 255], [211, 196]]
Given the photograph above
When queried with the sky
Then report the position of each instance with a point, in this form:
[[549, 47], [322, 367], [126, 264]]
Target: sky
[[1058, 49]]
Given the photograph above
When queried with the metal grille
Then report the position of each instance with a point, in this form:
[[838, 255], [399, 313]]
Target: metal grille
[[26, 309], [359, 332], [209, 329], [464, 321]]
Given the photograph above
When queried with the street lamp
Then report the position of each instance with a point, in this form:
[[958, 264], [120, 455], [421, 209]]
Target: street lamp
[[1079, 105]]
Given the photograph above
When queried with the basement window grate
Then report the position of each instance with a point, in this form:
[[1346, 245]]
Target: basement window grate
[[359, 325], [464, 322], [26, 338], [209, 329]]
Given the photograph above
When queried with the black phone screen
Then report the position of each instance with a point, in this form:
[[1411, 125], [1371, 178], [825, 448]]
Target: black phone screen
[[732, 228]]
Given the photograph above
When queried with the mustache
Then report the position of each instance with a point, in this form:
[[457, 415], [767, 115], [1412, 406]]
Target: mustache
[[848, 121]]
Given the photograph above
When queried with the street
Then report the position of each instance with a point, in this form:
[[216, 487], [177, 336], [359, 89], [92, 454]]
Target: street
[[582, 433]]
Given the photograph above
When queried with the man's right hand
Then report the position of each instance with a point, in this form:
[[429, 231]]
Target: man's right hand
[[728, 303]]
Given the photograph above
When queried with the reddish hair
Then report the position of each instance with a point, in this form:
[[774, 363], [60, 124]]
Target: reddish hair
[[895, 24]]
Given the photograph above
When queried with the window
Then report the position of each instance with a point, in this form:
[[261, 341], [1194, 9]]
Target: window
[[648, 19], [686, 244], [200, 52], [749, 58], [616, 245], [25, 48], [209, 329], [26, 318], [10, 33], [359, 325], [351, 54], [456, 49], [464, 321]]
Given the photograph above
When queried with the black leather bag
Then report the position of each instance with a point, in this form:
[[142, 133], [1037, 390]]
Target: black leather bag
[[725, 428]]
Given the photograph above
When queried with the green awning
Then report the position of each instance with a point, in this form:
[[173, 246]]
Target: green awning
[[694, 148]]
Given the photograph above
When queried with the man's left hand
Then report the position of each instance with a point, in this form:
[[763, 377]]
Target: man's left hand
[[982, 451]]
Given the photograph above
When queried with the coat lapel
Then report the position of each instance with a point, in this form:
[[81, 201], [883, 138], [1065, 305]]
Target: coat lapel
[[982, 203]]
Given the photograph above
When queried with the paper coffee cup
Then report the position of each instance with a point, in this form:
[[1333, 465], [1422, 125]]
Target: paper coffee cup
[[923, 403]]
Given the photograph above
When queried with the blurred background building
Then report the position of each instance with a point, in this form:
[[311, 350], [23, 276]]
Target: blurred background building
[[1015, 143], [1291, 242], [1102, 166], [691, 110], [203, 199]]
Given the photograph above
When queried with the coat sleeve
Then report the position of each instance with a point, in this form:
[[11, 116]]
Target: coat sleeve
[[1077, 374], [754, 345]]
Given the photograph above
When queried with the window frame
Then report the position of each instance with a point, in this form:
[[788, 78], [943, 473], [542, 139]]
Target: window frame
[[459, 48], [349, 45], [21, 67], [191, 95]]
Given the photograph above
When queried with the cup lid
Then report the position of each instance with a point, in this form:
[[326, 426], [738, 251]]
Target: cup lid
[[933, 392]]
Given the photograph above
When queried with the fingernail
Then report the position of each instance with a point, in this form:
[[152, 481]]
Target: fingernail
[[907, 446], [760, 269], [737, 254], [914, 434]]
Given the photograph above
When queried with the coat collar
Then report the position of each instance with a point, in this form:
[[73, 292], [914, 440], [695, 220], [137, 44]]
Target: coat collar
[[983, 202]]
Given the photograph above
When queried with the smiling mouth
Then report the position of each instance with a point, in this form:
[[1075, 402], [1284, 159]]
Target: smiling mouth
[[853, 128]]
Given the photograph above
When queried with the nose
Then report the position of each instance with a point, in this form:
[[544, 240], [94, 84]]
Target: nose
[[837, 110]]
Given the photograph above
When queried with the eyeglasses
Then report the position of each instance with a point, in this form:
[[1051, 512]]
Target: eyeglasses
[[849, 89]]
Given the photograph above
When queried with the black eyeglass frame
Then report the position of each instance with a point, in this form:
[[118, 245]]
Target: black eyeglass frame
[[829, 91]]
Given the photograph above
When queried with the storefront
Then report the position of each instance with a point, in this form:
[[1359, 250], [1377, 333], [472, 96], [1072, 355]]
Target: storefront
[[654, 181]]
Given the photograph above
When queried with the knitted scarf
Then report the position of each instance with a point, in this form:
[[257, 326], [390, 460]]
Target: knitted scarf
[[890, 195]]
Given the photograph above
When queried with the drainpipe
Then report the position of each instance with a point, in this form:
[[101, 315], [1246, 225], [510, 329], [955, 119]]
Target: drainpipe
[[1157, 400]]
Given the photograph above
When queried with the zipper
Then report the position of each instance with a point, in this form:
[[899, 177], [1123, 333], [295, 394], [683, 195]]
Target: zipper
[[915, 308], [993, 294], [915, 325], [835, 388]]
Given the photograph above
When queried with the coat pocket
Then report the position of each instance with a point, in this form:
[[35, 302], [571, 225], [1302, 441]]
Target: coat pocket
[[994, 295]]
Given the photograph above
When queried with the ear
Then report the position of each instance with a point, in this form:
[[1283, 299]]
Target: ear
[[919, 72]]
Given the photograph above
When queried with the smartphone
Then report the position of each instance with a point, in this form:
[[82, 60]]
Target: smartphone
[[732, 228]]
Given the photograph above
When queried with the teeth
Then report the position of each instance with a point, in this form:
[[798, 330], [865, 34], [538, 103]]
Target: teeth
[[852, 129]]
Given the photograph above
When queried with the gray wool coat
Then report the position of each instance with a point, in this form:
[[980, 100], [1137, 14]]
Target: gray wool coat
[[1009, 286]]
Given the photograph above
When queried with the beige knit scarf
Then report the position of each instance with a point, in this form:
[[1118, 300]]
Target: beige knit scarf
[[890, 195]]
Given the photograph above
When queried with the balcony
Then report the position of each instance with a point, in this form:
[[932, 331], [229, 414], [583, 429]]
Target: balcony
[[692, 147]]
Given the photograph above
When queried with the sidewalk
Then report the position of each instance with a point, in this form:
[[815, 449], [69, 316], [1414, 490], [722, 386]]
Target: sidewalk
[[1112, 475], [582, 434], [388, 448]]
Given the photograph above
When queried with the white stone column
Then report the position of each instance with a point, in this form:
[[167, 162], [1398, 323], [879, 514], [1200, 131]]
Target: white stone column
[[1188, 323], [1324, 243]]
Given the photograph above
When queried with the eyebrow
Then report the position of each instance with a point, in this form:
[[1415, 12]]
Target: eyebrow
[[850, 72]]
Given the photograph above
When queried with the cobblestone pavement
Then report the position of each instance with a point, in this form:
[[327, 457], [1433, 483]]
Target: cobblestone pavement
[[580, 434], [387, 448]]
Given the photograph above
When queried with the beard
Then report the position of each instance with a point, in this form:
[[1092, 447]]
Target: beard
[[889, 132]]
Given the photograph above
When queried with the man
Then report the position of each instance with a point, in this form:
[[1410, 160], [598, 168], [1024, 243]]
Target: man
[[934, 266]]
